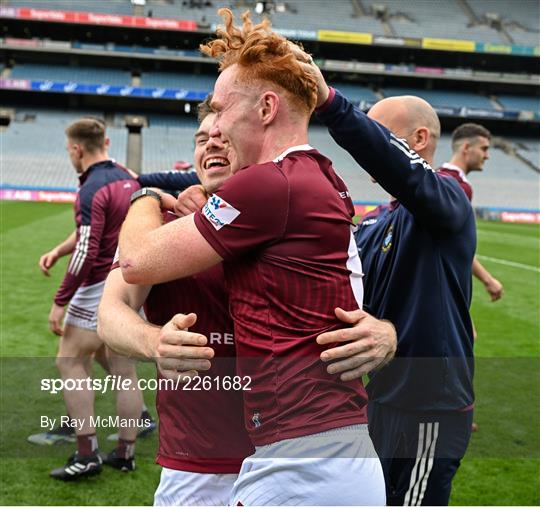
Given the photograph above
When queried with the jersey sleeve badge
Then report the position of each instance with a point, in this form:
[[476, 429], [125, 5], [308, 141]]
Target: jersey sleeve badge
[[219, 212]]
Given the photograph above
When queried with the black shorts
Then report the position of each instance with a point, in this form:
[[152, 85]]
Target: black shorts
[[420, 452]]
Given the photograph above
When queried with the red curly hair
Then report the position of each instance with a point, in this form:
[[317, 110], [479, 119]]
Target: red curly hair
[[262, 55]]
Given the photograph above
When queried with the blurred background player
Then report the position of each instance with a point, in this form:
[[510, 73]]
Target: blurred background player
[[66, 432], [100, 207], [470, 150]]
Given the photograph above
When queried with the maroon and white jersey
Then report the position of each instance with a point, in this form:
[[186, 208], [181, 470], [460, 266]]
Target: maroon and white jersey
[[284, 231], [457, 173], [202, 430], [101, 206]]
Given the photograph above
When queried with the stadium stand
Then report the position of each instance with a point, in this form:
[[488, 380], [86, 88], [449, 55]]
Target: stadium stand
[[163, 145], [478, 20], [443, 97], [102, 6], [355, 92], [162, 120], [509, 180], [417, 18], [35, 156], [314, 16], [28, 157], [186, 81], [33, 148], [505, 181], [358, 181], [528, 150], [520, 22], [519, 103], [94, 75]]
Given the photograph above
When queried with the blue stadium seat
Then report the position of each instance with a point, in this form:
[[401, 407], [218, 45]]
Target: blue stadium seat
[[203, 82], [164, 145], [449, 98], [355, 92], [90, 75], [520, 103], [33, 152]]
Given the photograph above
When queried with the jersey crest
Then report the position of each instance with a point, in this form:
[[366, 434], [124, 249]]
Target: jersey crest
[[387, 241]]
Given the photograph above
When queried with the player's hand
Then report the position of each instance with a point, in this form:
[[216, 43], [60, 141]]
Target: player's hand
[[192, 199], [56, 316], [47, 261], [495, 289], [370, 344], [309, 66], [180, 353]]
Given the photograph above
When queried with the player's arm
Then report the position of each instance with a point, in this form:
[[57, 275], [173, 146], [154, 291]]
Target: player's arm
[[230, 225], [493, 286], [121, 327], [48, 260], [89, 234], [153, 253], [399, 170], [172, 180], [368, 345], [435, 200]]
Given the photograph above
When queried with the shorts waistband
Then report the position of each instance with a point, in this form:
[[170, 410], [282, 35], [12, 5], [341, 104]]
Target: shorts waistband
[[354, 428]]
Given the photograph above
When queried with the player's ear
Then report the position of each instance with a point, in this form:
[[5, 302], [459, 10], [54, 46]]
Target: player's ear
[[268, 107], [421, 139]]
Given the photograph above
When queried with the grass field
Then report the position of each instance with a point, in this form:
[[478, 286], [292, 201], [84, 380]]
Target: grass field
[[503, 463]]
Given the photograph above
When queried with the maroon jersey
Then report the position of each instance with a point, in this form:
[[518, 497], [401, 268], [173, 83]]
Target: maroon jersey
[[455, 172], [284, 230], [201, 430], [101, 206]]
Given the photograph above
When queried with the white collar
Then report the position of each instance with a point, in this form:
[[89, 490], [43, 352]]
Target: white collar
[[448, 165], [300, 147]]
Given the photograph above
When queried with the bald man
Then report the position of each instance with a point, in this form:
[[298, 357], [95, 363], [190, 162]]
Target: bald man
[[417, 254]]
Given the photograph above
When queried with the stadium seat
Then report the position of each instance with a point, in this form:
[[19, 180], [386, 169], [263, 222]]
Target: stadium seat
[[87, 75], [33, 152], [113, 6], [355, 92], [163, 145], [202, 82], [520, 103], [448, 98]]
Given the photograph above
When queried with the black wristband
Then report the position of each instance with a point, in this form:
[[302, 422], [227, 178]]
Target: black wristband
[[143, 192]]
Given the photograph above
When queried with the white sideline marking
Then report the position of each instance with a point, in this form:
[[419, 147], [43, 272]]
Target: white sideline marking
[[509, 263]]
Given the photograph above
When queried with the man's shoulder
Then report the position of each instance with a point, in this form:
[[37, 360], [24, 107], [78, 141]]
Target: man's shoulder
[[457, 175], [374, 215], [98, 179]]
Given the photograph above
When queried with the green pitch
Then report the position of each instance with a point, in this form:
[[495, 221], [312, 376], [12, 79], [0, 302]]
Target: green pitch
[[503, 462]]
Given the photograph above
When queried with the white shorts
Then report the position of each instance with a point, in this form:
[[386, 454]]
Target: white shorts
[[336, 467], [189, 488], [83, 307]]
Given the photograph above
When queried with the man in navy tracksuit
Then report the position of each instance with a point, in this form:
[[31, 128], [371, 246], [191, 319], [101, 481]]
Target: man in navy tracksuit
[[417, 254]]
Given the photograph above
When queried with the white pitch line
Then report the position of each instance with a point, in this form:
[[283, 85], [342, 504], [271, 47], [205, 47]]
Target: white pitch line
[[509, 263]]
